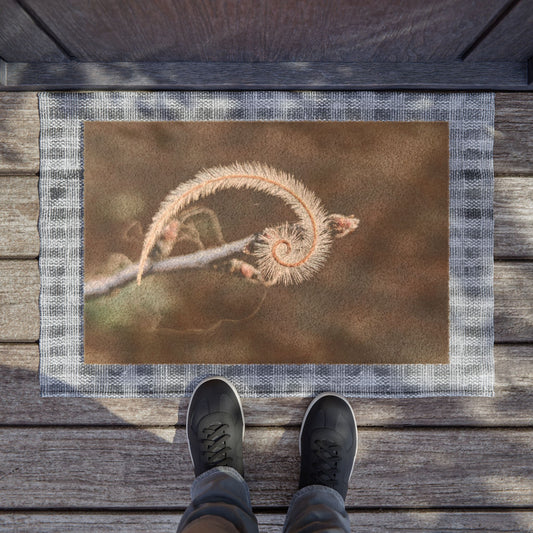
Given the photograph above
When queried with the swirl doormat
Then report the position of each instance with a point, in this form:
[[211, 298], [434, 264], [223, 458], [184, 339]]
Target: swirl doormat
[[295, 242]]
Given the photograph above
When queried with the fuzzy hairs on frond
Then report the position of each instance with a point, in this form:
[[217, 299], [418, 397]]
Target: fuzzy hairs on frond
[[288, 254]]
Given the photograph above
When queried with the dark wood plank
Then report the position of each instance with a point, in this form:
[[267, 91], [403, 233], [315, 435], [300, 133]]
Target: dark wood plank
[[251, 30], [510, 76], [3, 73], [445, 521], [150, 468], [21, 39], [19, 294], [19, 133], [513, 137], [19, 206], [512, 404], [510, 39]]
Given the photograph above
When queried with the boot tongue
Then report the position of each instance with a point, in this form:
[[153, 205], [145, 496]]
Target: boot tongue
[[220, 417], [327, 434], [332, 418]]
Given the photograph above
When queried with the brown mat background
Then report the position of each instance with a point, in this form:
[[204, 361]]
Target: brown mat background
[[382, 296]]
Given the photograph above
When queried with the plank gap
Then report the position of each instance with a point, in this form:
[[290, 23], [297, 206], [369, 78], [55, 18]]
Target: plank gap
[[181, 426], [498, 17], [38, 21], [259, 509]]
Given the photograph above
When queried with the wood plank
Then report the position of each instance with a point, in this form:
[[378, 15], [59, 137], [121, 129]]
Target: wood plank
[[513, 218], [248, 30], [362, 522], [21, 39], [510, 39], [456, 75], [513, 213], [513, 137], [136, 468], [19, 300], [19, 133], [3, 73], [19, 205], [513, 302], [19, 297], [512, 404]]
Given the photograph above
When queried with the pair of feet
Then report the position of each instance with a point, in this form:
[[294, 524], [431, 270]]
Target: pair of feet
[[328, 437]]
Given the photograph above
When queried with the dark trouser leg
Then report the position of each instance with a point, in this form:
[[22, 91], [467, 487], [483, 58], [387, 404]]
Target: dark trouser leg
[[220, 503], [315, 509]]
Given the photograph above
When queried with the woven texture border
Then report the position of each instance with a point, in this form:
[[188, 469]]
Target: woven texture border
[[471, 122]]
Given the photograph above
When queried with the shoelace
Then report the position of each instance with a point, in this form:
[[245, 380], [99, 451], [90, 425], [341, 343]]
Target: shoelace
[[214, 448], [326, 460]]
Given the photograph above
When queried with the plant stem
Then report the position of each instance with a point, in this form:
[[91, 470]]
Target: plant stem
[[100, 287]]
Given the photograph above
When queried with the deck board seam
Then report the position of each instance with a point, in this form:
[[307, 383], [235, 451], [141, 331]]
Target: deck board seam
[[261, 509], [364, 428]]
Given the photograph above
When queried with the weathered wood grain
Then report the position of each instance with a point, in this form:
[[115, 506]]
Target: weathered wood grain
[[140, 468], [19, 293], [453, 75], [513, 218], [3, 73], [513, 214], [19, 300], [513, 302], [444, 521], [19, 132], [513, 136], [21, 39], [512, 405], [510, 39], [251, 30], [19, 208]]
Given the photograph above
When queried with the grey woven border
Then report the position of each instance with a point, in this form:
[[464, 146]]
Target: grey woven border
[[471, 369]]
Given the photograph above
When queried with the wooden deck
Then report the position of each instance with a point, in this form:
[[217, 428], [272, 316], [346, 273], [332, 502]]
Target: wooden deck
[[432, 465]]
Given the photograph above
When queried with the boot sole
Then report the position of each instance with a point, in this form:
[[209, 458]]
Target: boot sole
[[227, 382], [315, 400]]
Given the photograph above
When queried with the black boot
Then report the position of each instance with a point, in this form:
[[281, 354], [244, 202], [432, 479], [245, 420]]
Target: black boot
[[328, 443], [215, 426]]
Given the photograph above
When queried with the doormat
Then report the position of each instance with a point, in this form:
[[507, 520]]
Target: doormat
[[294, 242], [347, 259]]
